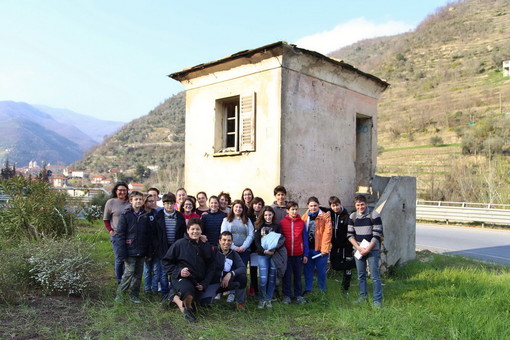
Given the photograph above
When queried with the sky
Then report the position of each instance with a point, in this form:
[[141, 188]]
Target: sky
[[110, 58]]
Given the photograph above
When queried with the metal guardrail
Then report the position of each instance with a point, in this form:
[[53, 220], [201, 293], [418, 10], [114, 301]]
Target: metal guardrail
[[463, 212]]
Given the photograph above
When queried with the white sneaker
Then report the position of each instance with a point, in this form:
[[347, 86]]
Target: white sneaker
[[231, 298], [261, 305], [218, 296]]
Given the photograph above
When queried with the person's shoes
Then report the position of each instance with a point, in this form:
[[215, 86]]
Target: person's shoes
[[241, 307], [189, 315], [135, 299], [217, 297], [251, 291], [286, 300], [360, 300], [306, 292], [231, 298], [269, 304], [345, 294], [119, 299], [377, 304], [300, 300], [262, 304]]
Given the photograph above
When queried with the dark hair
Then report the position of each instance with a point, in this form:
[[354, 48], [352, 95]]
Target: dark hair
[[226, 233], [227, 197], [312, 199], [280, 188], [153, 189], [193, 198], [255, 200], [242, 194], [334, 199], [169, 197], [291, 204], [260, 220], [181, 208], [214, 197], [136, 193], [194, 220], [360, 198], [145, 201], [117, 185], [202, 192], [244, 217]]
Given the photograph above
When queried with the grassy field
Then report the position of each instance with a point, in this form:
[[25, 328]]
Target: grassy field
[[432, 297]]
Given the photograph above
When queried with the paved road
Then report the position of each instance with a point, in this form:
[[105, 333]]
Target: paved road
[[481, 243]]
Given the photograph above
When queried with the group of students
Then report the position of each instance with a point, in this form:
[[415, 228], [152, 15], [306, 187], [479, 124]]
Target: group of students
[[205, 249]]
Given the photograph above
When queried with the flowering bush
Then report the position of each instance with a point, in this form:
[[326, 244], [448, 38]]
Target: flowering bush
[[65, 266], [93, 213]]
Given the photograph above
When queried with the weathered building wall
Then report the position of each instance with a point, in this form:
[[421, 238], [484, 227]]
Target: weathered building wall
[[258, 170], [319, 131], [397, 206]]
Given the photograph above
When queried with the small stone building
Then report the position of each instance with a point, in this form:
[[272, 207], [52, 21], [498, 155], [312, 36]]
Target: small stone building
[[279, 114]]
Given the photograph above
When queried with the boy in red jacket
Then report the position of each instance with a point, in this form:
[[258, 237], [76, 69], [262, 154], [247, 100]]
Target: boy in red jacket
[[293, 228]]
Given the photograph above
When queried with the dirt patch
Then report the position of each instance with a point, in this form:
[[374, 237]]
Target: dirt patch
[[44, 317]]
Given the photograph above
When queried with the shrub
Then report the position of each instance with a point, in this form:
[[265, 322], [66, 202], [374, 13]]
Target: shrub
[[436, 140], [64, 266], [34, 211], [93, 213], [15, 278]]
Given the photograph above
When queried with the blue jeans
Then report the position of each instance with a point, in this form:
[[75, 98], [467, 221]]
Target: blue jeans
[[321, 264], [373, 263], [152, 274], [165, 283], [294, 270], [119, 264], [245, 256], [267, 278]]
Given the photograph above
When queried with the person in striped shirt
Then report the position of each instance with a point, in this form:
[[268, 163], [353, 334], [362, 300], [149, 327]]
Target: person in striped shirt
[[366, 226]]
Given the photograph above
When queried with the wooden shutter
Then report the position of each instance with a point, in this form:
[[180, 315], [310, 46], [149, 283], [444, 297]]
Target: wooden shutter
[[247, 123]]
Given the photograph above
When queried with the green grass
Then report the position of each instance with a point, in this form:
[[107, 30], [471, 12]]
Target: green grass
[[432, 297], [418, 147]]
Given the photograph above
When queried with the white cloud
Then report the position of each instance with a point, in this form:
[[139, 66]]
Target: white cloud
[[350, 32]]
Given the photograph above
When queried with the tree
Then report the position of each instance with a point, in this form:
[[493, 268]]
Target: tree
[[7, 171], [44, 174], [142, 172]]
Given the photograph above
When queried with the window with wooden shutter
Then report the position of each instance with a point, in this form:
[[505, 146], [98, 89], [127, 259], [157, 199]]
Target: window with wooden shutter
[[247, 123]]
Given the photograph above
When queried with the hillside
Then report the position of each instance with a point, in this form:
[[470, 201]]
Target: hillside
[[30, 134], [444, 111], [155, 140], [22, 141], [97, 129], [446, 83]]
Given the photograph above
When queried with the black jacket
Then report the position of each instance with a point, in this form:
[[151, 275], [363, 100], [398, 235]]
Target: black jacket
[[238, 266], [134, 234], [339, 238], [196, 256], [159, 240]]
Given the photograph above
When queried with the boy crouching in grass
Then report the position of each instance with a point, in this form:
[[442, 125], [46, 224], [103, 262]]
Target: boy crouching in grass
[[133, 241]]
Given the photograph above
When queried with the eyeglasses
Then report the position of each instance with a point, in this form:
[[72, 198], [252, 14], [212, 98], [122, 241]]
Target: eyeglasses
[[188, 205]]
